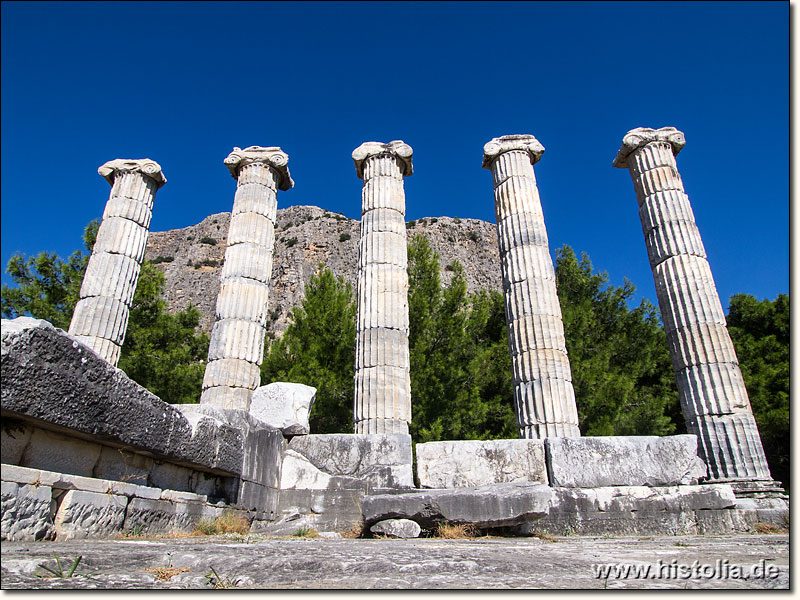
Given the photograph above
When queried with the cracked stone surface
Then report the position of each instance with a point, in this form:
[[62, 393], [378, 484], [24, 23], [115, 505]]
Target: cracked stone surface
[[426, 563]]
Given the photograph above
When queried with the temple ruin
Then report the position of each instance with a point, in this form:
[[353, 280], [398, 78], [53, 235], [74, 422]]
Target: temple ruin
[[87, 452]]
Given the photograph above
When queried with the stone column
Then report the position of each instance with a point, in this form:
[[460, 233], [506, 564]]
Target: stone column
[[237, 338], [100, 319], [543, 392], [712, 393], [382, 397]]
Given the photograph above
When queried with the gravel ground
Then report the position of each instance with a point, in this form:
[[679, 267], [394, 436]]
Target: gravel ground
[[724, 562]]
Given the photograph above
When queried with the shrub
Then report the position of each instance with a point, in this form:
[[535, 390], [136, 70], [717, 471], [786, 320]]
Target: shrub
[[162, 259], [288, 224], [291, 242], [344, 237], [305, 532], [456, 220], [434, 220], [473, 236], [410, 224], [208, 240], [450, 267]]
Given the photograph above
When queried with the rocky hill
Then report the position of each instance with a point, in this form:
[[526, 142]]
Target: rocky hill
[[306, 236]]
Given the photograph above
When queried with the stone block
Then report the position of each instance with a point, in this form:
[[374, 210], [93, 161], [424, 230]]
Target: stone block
[[247, 260], [84, 515], [455, 464], [397, 528], [14, 437], [285, 406], [56, 452], [253, 496], [499, 505], [169, 476], [100, 316], [26, 512], [589, 462], [263, 448], [380, 346], [252, 228], [120, 465], [381, 460], [87, 395], [110, 275], [329, 509], [149, 516], [121, 236], [633, 510], [242, 298]]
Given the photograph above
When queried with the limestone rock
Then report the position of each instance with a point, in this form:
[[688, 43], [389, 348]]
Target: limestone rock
[[26, 512], [192, 268], [590, 462], [89, 515], [498, 505], [397, 528], [383, 461], [454, 464], [285, 406]]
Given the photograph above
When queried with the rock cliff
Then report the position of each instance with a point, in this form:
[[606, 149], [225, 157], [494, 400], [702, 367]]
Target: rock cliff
[[306, 236]]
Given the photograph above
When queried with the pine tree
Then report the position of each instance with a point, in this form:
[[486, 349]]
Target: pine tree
[[760, 334], [318, 349]]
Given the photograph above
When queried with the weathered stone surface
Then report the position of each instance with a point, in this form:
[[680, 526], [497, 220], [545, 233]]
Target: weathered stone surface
[[384, 461], [590, 462], [499, 505], [538, 347], [475, 463], [26, 513], [14, 437], [88, 397], [709, 381], [285, 406], [397, 528], [639, 510], [382, 395], [346, 564], [89, 515]]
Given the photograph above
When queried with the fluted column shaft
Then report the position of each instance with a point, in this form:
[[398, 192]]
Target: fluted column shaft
[[543, 391], [712, 392], [101, 315], [236, 349], [382, 385]]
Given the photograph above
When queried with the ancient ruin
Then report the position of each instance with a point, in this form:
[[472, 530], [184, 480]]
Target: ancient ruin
[[87, 452], [543, 393], [100, 319], [237, 339], [712, 393], [382, 398]]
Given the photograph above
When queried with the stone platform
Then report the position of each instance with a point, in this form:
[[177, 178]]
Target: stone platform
[[256, 562]]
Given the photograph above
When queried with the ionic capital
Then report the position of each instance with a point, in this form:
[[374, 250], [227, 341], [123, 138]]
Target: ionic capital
[[272, 156], [506, 143], [397, 148], [145, 166], [641, 136]]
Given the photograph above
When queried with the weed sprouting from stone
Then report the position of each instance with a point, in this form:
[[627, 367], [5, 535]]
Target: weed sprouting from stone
[[59, 570]]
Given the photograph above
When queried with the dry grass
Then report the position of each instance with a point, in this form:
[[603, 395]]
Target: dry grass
[[228, 522], [305, 532], [768, 528], [167, 573], [356, 531], [455, 531]]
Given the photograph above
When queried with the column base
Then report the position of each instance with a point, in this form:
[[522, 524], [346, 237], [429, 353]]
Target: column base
[[538, 431]]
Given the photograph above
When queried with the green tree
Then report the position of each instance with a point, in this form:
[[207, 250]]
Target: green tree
[[47, 287], [318, 349], [620, 363], [760, 334], [460, 366], [162, 351]]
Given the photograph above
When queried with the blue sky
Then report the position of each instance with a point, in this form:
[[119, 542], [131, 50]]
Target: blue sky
[[182, 83]]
